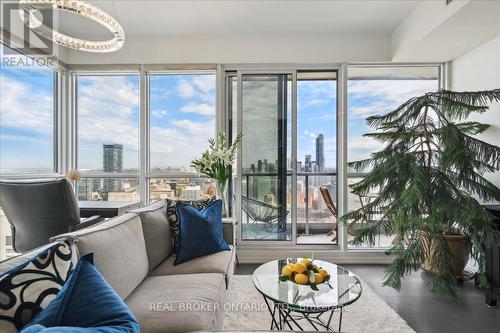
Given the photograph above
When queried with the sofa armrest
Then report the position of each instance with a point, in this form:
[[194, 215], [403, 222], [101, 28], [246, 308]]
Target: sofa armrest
[[228, 229]]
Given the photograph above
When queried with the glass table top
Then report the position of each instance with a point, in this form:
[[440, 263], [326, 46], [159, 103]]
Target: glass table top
[[343, 288]]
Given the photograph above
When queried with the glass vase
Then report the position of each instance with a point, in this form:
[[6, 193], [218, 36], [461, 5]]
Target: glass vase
[[221, 194]]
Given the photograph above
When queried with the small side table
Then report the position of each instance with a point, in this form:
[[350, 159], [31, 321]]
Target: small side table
[[106, 209]]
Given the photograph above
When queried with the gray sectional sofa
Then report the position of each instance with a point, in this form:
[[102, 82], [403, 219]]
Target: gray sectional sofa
[[134, 253]]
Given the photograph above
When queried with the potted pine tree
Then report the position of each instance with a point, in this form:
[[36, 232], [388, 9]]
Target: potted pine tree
[[429, 178]]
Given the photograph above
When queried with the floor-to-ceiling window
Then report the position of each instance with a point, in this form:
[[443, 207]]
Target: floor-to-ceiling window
[[371, 91], [181, 120], [28, 131], [316, 157], [281, 185], [108, 137], [180, 113]]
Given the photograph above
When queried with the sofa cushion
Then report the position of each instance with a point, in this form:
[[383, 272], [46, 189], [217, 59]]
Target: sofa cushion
[[179, 303], [156, 232], [119, 251], [220, 262], [200, 232], [86, 301], [30, 287], [173, 217]]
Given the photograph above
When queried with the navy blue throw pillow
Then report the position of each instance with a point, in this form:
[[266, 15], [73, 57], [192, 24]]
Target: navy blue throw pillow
[[87, 303], [200, 232]]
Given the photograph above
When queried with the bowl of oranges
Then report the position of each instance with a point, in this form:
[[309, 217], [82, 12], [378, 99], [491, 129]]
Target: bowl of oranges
[[304, 272]]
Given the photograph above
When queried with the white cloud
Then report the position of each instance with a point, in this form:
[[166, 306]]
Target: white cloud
[[310, 134], [205, 83], [159, 113], [110, 95], [179, 144], [372, 109], [24, 107], [371, 97], [200, 87], [194, 128], [185, 89], [202, 108]]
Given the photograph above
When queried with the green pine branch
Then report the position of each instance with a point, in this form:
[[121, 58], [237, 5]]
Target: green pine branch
[[426, 176]]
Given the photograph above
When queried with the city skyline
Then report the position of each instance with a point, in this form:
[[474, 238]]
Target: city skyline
[[309, 165]]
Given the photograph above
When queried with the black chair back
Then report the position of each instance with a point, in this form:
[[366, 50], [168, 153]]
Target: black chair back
[[37, 210]]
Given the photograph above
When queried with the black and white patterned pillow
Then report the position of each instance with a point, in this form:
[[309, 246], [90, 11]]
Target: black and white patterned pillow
[[173, 218], [29, 288]]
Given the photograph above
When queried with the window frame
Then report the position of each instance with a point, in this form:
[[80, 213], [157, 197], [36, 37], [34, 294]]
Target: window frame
[[147, 167], [144, 174], [67, 151], [442, 84]]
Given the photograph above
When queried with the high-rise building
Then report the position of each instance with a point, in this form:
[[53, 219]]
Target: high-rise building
[[112, 162], [320, 153], [84, 189], [112, 157], [307, 163]]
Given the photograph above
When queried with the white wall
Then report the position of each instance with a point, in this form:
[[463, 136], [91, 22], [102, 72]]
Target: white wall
[[291, 48], [479, 69]]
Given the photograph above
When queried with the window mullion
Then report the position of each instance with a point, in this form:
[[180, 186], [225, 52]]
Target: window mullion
[[144, 135]]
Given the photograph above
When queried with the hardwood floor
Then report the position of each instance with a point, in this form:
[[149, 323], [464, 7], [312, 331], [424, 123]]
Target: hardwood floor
[[420, 309]]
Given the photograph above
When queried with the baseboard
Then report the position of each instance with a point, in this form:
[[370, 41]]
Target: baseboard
[[251, 254]]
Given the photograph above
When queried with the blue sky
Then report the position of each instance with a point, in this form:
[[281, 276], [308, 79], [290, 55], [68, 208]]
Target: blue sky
[[316, 114], [372, 97], [182, 116], [26, 119]]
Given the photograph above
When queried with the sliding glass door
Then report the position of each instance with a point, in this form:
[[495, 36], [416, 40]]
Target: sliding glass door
[[288, 156], [265, 183]]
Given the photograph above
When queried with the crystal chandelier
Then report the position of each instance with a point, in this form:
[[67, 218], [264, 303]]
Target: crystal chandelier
[[26, 8]]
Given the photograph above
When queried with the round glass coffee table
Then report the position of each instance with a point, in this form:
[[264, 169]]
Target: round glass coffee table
[[290, 303]]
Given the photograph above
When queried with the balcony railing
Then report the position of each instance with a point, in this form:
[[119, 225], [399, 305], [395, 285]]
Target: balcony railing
[[306, 177]]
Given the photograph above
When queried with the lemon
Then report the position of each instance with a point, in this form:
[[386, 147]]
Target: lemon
[[323, 273], [301, 278], [318, 278], [299, 268], [287, 270], [306, 262]]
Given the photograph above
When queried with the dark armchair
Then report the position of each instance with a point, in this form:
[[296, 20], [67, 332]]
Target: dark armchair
[[39, 209]]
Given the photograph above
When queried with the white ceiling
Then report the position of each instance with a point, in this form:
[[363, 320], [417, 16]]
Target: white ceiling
[[165, 18]]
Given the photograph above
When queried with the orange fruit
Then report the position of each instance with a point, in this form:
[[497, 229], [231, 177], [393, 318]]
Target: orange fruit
[[318, 278], [323, 273]]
